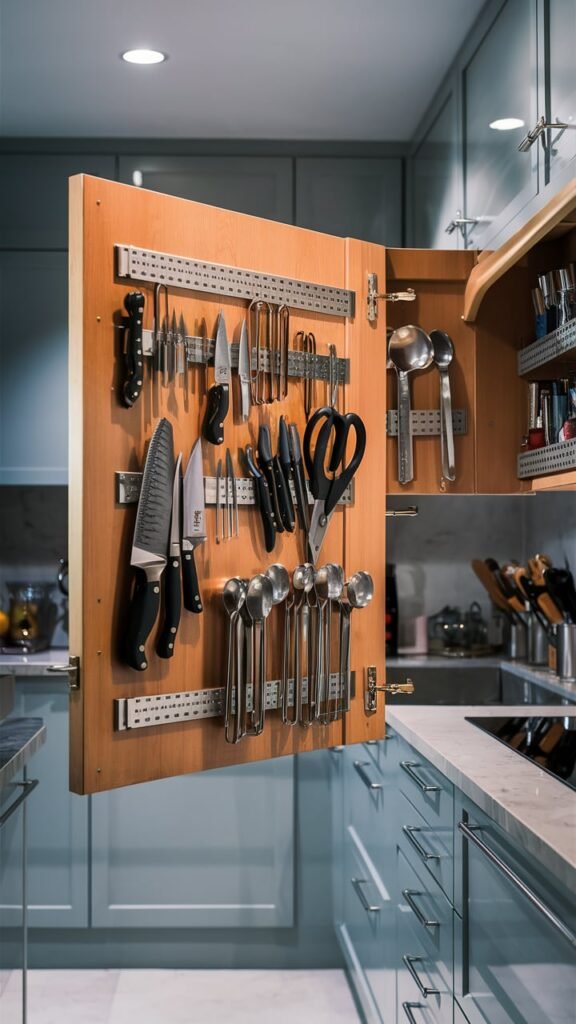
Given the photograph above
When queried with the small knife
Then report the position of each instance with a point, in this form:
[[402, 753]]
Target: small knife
[[302, 505], [283, 464], [266, 465], [244, 372], [150, 544], [219, 393], [134, 305], [172, 597], [263, 500], [193, 527]]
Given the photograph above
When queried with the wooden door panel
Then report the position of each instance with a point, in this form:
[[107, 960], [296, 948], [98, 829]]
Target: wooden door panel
[[106, 437]]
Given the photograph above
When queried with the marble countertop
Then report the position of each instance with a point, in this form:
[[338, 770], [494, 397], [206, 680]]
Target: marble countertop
[[529, 804], [19, 739], [531, 673], [32, 664]]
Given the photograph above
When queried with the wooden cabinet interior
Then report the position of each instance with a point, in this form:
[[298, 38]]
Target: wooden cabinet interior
[[106, 437]]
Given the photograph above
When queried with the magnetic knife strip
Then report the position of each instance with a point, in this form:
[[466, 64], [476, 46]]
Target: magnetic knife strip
[[300, 364], [128, 490], [168, 708], [219, 279]]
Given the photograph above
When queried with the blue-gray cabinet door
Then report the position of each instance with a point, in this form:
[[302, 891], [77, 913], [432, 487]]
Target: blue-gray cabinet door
[[12, 919], [499, 81], [261, 186], [34, 196], [214, 849], [561, 83], [435, 186], [513, 965], [57, 820], [352, 197], [33, 368], [336, 759]]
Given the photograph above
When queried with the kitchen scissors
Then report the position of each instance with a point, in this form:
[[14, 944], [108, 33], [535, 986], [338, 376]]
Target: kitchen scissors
[[328, 483]]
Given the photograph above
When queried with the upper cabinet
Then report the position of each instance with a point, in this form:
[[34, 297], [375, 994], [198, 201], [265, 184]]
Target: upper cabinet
[[500, 82], [351, 197], [261, 186], [34, 196], [435, 206], [560, 34]]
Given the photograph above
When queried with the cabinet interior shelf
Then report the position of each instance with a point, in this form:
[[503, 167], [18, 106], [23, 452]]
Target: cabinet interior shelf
[[554, 458], [556, 345]]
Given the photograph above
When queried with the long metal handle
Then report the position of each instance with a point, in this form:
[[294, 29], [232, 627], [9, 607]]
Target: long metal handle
[[27, 786], [360, 767], [405, 461], [408, 1007], [469, 832], [447, 428], [408, 767], [408, 895], [409, 962], [357, 883], [409, 831]]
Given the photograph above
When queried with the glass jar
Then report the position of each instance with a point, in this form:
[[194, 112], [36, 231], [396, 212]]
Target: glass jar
[[32, 616]]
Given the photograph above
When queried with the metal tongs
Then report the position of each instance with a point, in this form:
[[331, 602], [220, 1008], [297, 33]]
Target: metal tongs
[[308, 345], [259, 331]]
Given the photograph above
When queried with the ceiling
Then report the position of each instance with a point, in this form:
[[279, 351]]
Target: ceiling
[[255, 69]]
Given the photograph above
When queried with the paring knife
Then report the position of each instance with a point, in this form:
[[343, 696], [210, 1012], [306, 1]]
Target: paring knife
[[302, 506], [244, 372], [150, 544], [266, 465], [193, 527], [284, 461], [172, 597], [219, 393], [134, 305]]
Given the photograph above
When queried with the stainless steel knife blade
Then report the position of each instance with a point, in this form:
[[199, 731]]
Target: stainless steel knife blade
[[244, 371], [151, 533], [221, 353], [175, 521], [194, 517]]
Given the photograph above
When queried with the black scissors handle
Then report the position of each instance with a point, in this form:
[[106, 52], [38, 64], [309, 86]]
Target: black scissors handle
[[331, 489], [314, 462]]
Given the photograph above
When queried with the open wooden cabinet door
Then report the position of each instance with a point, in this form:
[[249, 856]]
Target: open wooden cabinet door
[[117, 237]]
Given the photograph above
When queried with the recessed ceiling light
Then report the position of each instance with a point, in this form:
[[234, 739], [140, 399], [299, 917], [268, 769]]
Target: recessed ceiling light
[[144, 56], [507, 124]]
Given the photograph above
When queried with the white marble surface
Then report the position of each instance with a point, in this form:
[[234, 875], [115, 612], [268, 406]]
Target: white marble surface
[[184, 997], [33, 664], [529, 804]]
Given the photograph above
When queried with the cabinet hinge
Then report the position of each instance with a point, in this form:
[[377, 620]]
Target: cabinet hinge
[[371, 689], [373, 295], [72, 670]]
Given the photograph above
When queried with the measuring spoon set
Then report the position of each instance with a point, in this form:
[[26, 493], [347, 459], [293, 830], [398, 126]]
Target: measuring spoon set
[[307, 690]]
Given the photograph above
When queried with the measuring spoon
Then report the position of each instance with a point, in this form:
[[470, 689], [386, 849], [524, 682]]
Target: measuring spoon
[[259, 601], [443, 356], [409, 349], [280, 581], [302, 581], [360, 591], [234, 595]]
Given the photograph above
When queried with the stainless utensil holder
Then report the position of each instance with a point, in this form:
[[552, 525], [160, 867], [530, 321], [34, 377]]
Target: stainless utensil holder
[[566, 650], [537, 642], [517, 643]]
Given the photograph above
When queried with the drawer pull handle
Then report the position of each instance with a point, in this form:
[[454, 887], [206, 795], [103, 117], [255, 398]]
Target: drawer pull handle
[[26, 788], [370, 908], [408, 1007], [408, 767], [469, 832], [360, 767], [408, 895], [409, 831], [409, 962]]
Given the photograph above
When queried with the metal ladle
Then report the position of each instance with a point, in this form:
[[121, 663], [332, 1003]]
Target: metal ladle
[[303, 582], [360, 591], [280, 581], [234, 595], [259, 601], [443, 356], [409, 349]]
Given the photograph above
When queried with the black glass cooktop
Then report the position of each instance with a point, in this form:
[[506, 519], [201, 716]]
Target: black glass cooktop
[[548, 741]]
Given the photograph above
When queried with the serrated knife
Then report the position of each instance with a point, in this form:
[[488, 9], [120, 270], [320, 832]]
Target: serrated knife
[[219, 393], [172, 587], [150, 544], [193, 527]]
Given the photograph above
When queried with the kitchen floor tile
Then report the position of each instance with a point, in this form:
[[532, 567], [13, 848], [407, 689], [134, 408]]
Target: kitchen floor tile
[[71, 997]]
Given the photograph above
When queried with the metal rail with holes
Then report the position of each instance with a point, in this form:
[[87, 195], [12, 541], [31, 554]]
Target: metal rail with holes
[[426, 422]]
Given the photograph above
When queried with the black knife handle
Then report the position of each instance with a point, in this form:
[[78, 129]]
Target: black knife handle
[[284, 496], [134, 305], [172, 609], [190, 585], [301, 491], [142, 616], [216, 412], [266, 513]]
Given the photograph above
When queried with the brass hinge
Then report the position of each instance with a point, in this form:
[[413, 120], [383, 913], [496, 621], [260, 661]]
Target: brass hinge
[[371, 689], [373, 295], [72, 670]]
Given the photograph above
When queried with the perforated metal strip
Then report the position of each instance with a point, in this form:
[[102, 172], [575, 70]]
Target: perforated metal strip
[[553, 459], [219, 279], [168, 708], [558, 343], [426, 421], [128, 490]]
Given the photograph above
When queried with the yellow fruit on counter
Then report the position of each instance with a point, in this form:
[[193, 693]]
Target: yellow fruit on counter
[[4, 623]]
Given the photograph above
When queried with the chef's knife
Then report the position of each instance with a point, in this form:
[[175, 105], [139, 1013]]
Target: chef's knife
[[134, 305], [244, 372], [150, 544], [266, 465], [172, 597], [299, 479], [219, 393], [193, 527]]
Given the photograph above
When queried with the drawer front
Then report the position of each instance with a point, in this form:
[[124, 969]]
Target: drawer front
[[371, 797], [427, 914], [370, 924], [424, 995], [459, 1015], [433, 846], [430, 791]]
